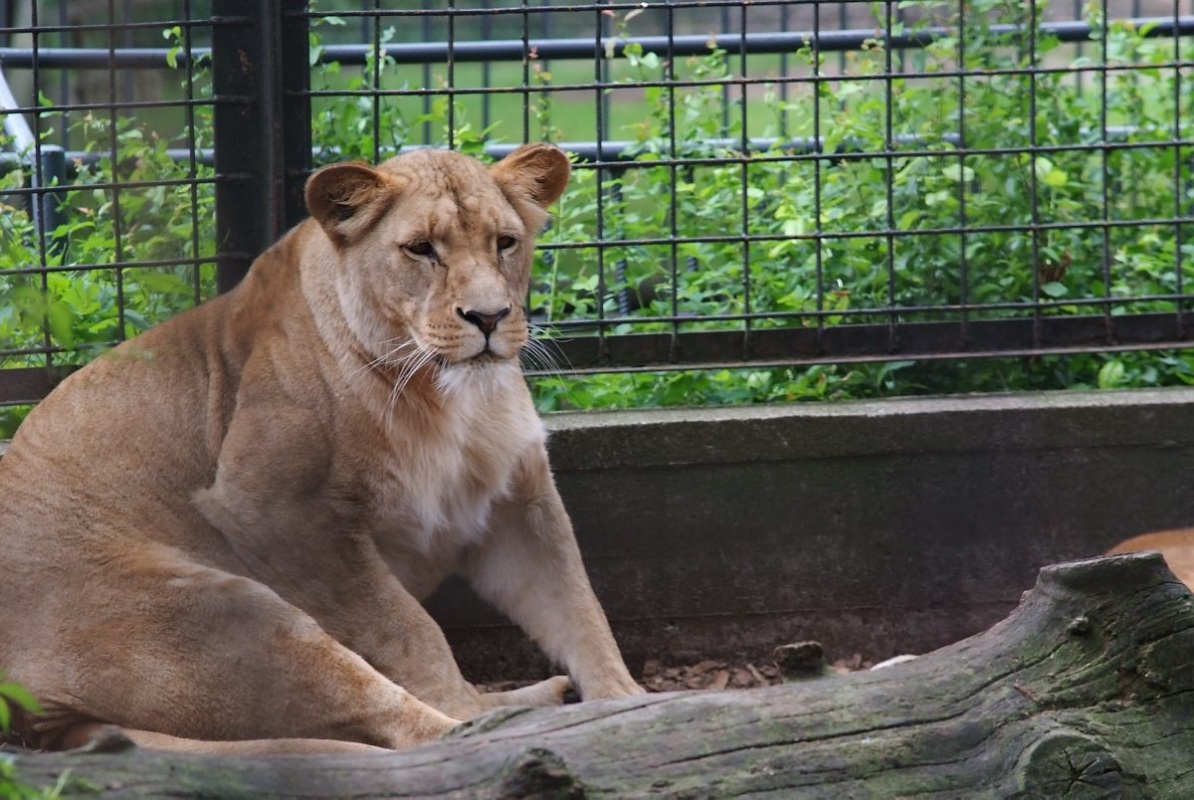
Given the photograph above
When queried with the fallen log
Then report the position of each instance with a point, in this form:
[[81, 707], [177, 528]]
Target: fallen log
[[1084, 691]]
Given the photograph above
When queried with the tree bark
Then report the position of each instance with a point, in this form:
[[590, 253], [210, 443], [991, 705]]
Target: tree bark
[[1085, 691]]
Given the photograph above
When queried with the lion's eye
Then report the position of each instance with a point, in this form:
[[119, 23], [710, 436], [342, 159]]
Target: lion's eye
[[420, 249], [506, 242]]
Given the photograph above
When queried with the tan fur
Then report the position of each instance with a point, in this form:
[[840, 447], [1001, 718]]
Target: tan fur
[[222, 530], [1176, 546]]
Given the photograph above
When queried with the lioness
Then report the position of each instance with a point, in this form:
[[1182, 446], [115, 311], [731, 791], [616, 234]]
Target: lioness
[[218, 535], [1176, 546]]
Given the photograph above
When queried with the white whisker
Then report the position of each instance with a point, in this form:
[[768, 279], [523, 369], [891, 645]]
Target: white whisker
[[548, 347], [539, 357], [386, 358]]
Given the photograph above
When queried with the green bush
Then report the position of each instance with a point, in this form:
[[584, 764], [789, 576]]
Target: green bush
[[831, 240]]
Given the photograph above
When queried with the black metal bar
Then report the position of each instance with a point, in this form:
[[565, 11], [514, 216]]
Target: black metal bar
[[579, 48], [744, 191], [889, 175], [818, 242], [803, 346], [733, 43], [963, 256], [47, 210], [262, 128], [118, 233], [801, 149]]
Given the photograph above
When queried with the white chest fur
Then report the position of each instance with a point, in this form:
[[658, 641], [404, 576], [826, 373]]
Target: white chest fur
[[442, 474]]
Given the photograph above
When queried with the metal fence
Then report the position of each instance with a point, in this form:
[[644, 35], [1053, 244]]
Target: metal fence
[[757, 183]]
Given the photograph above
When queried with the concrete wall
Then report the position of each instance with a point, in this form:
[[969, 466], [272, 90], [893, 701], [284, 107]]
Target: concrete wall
[[873, 527]]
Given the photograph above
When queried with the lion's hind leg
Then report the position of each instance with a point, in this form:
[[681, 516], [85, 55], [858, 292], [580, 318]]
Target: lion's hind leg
[[193, 653], [103, 738]]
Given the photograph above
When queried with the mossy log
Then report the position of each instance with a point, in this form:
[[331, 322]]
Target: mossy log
[[1086, 690]]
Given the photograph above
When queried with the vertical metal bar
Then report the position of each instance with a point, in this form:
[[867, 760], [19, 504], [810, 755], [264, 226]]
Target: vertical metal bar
[[375, 79], [451, 73], [622, 296], [126, 75], [783, 71], [425, 23], [192, 159], [842, 22], [1077, 14], [599, 222], [1034, 182], [1179, 282], [39, 179], [63, 75], [486, 36], [603, 118], [545, 29], [744, 146], [963, 260], [818, 164], [114, 148], [295, 91], [673, 222], [1105, 164], [262, 127], [526, 76], [889, 181], [725, 88], [47, 206]]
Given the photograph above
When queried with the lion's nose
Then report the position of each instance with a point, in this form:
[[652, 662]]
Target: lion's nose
[[486, 322]]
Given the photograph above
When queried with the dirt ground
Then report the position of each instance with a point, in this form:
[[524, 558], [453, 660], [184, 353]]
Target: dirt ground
[[710, 675]]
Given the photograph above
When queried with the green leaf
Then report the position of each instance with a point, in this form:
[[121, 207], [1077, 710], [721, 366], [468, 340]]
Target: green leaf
[[1055, 178], [957, 172], [20, 695], [1111, 374], [1048, 173], [1055, 289]]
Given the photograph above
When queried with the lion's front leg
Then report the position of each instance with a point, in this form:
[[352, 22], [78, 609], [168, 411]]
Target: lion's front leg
[[292, 540], [530, 568]]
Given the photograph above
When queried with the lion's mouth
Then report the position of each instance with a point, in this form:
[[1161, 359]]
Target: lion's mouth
[[486, 356]]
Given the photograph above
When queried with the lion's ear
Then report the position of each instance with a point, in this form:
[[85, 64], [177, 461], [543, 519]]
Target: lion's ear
[[346, 199], [538, 172]]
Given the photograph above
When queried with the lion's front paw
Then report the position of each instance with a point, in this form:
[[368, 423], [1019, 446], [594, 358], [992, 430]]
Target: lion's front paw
[[545, 693], [611, 686]]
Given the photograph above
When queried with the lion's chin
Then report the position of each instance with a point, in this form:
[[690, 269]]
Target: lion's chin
[[479, 375]]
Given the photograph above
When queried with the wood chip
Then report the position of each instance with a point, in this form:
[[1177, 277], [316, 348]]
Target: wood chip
[[720, 679]]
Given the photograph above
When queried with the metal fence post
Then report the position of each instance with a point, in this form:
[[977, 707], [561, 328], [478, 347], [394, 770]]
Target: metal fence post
[[260, 75], [47, 206]]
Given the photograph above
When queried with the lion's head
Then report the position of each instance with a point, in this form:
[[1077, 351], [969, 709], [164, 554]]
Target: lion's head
[[434, 249]]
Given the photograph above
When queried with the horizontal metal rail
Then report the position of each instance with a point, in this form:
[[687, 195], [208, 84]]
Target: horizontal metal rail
[[581, 49], [621, 153], [731, 43], [804, 346]]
